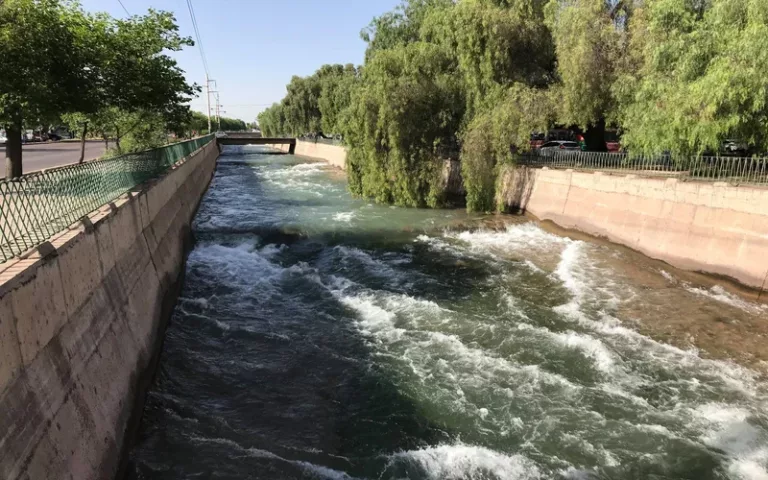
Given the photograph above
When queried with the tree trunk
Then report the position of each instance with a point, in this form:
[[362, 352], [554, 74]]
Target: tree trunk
[[106, 143], [82, 143], [594, 137], [13, 152]]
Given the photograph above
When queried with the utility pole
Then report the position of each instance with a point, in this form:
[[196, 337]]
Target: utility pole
[[218, 111], [208, 97]]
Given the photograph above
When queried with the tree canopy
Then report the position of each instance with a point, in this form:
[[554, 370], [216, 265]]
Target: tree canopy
[[59, 60], [474, 78]]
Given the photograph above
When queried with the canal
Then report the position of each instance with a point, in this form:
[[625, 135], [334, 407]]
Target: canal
[[324, 337]]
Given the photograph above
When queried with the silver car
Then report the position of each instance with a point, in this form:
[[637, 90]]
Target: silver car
[[556, 146]]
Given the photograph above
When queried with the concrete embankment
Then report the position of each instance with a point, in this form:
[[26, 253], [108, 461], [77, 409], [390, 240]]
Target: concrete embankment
[[81, 323], [714, 228], [332, 154]]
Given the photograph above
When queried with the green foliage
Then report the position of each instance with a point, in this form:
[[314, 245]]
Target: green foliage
[[588, 47], [496, 44], [701, 76], [337, 83], [92, 69], [480, 76], [36, 80], [313, 104], [495, 133], [406, 111], [400, 26]]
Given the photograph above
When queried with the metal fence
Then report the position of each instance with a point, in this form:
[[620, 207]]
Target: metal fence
[[35, 207], [325, 141], [736, 170]]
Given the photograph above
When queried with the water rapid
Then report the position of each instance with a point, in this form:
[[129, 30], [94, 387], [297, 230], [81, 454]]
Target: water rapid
[[323, 337]]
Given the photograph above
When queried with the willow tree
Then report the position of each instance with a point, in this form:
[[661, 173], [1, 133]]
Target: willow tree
[[505, 59], [700, 76], [496, 133], [406, 110], [337, 83], [400, 26], [496, 44], [591, 39]]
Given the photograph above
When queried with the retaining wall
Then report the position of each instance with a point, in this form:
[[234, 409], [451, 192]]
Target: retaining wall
[[711, 227], [332, 154], [81, 326]]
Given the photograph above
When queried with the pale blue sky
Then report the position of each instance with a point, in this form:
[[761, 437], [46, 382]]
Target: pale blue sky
[[255, 46]]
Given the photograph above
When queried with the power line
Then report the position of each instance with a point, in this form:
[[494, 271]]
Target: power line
[[198, 36], [126, 10]]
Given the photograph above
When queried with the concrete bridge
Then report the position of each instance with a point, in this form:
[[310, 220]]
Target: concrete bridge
[[241, 138]]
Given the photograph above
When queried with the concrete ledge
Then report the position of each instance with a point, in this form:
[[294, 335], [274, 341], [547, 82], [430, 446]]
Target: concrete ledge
[[80, 324]]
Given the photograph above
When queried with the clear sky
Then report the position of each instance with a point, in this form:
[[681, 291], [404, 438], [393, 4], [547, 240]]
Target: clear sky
[[255, 46]]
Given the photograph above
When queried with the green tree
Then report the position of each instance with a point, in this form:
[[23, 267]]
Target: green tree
[[33, 84], [139, 84], [497, 132], [700, 75], [591, 38], [95, 68], [482, 75], [404, 115]]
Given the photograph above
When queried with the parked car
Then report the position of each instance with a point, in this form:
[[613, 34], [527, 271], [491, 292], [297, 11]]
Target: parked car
[[735, 147], [558, 146], [53, 136], [537, 140], [3, 139], [612, 141], [564, 134]]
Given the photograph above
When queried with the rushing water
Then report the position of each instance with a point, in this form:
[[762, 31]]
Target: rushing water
[[322, 337]]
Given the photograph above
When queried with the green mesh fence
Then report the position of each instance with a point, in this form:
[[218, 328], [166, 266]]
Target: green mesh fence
[[734, 170], [35, 207]]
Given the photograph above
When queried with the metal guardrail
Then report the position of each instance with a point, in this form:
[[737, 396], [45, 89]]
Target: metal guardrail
[[35, 207], [322, 140], [735, 170]]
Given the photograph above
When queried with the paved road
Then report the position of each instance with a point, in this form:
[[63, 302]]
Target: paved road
[[38, 156]]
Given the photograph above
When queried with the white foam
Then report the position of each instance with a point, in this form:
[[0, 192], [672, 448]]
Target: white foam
[[604, 360], [317, 470], [346, 217], [668, 276], [455, 462], [565, 270], [719, 294], [728, 429], [271, 250], [200, 301], [514, 239], [379, 318]]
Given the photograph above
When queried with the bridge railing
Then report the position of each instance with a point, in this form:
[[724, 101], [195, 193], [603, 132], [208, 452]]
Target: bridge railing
[[736, 170], [35, 207]]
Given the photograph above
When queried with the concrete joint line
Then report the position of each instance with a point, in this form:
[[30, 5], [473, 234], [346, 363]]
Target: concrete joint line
[[151, 255], [762, 288]]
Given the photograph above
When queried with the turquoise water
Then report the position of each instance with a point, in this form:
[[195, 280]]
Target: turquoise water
[[323, 337]]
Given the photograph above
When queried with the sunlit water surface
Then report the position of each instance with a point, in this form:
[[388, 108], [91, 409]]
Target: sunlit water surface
[[322, 337]]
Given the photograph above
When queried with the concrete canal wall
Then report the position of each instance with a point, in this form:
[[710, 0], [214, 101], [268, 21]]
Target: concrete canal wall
[[332, 154], [81, 326], [710, 227]]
